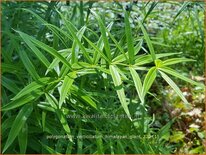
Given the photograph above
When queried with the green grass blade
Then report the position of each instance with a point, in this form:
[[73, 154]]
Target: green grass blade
[[67, 83], [22, 138], [120, 90], [128, 31], [178, 75], [28, 65], [174, 86], [148, 41], [137, 83], [18, 124], [149, 79], [104, 35]]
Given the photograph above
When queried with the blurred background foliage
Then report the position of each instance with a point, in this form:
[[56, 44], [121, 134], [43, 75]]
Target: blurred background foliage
[[172, 27]]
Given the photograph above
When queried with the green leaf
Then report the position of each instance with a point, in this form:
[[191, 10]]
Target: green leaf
[[74, 35], [137, 83], [51, 100], [40, 56], [83, 96], [79, 142], [164, 132], [28, 64], [104, 35], [120, 90], [176, 74], [183, 7], [177, 136], [22, 138], [22, 100], [148, 41], [128, 31], [49, 149], [64, 123], [18, 124], [149, 79], [68, 81], [145, 59], [33, 86], [123, 55], [9, 84], [175, 61], [99, 143], [11, 68], [75, 47], [55, 62], [174, 86], [97, 49], [45, 47]]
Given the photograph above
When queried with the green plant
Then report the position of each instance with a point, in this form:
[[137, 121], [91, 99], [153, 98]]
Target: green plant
[[72, 74]]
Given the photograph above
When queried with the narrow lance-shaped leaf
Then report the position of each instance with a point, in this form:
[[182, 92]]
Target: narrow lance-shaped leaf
[[124, 55], [175, 61], [130, 44], [9, 84], [174, 86], [33, 86], [104, 36], [73, 33], [49, 149], [83, 96], [68, 80], [97, 49], [22, 100], [52, 100], [148, 41], [75, 46], [100, 44], [178, 75], [36, 51], [120, 91], [22, 138], [18, 124], [28, 65], [149, 79], [79, 142], [64, 123], [137, 83], [45, 47], [56, 61]]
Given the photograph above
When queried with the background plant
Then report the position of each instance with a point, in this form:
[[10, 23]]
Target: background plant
[[93, 65]]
